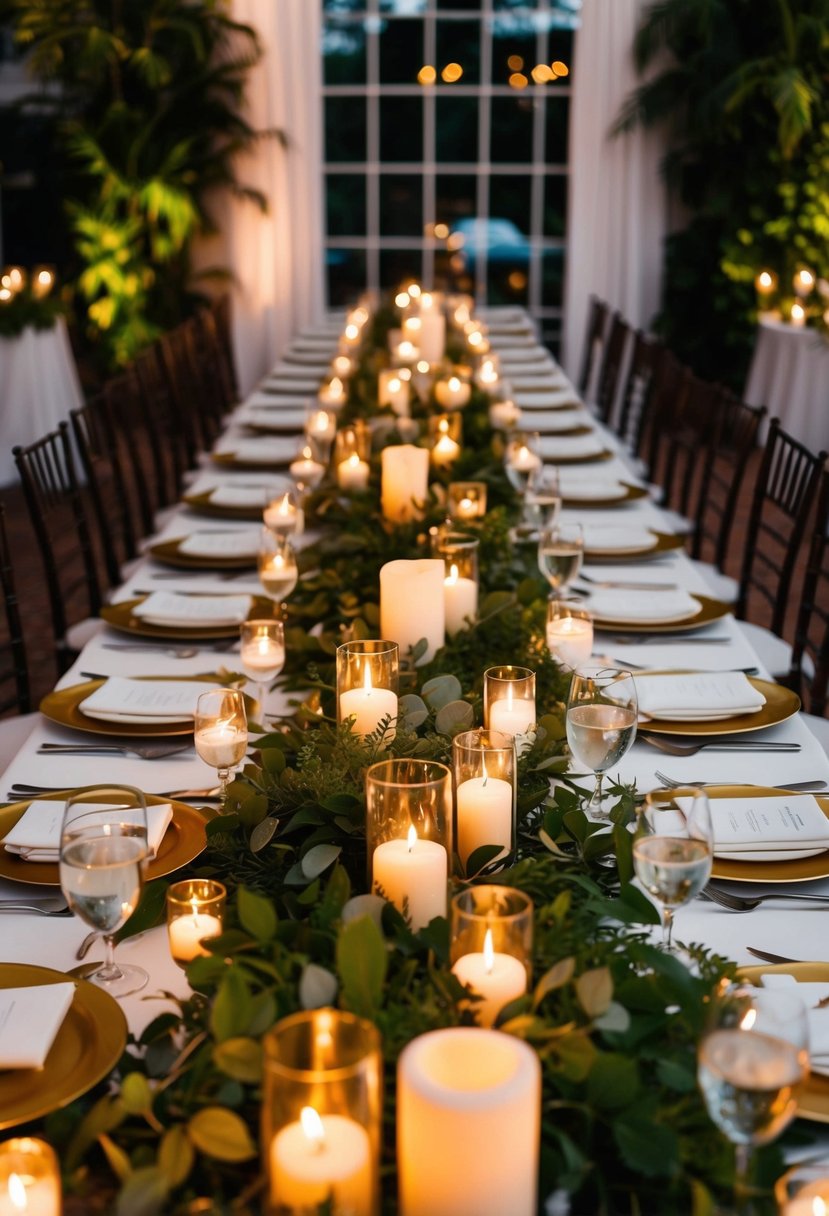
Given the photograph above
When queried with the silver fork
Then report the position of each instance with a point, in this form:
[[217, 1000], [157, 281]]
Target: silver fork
[[173, 652], [673, 747], [669, 783], [627, 586], [147, 751]]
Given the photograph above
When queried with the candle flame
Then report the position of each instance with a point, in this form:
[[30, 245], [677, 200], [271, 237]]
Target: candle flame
[[307, 452], [352, 332], [411, 837], [401, 299], [426, 300], [452, 576], [353, 460], [484, 773], [414, 290], [819, 1207], [17, 1193], [748, 1019], [394, 385], [312, 1126], [764, 280], [367, 684], [466, 504], [798, 312], [423, 365], [336, 385], [489, 952], [454, 383], [443, 426], [285, 506]]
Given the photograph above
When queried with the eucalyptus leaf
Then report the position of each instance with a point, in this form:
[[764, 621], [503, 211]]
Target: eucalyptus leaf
[[412, 710], [317, 987], [364, 905], [240, 1058], [144, 1193], [451, 719], [362, 962], [440, 690], [220, 1133], [175, 1155], [257, 914], [319, 858], [263, 834], [594, 990]]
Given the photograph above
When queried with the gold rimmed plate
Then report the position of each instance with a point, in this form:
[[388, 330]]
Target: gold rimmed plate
[[122, 617], [663, 542], [628, 493], [781, 704], [709, 611], [169, 552], [576, 428], [184, 840], [203, 504], [65, 707], [87, 1047], [588, 458], [272, 460], [813, 1100]]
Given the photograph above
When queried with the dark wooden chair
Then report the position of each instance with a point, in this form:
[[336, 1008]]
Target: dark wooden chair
[[598, 320], [663, 408], [136, 443], [213, 329], [638, 385], [685, 442], [809, 672], [222, 321], [723, 474], [173, 450], [15, 688], [615, 353]]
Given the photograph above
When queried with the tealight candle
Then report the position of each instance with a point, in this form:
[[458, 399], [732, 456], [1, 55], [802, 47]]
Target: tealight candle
[[283, 515], [393, 390], [29, 1178], [332, 394], [321, 426], [353, 473], [803, 282], [467, 500], [412, 874], [804, 1190], [368, 706], [195, 912], [452, 393], [263, 655], [305, 470], [797, 316], [569, 634], [460, 599], [445, 451], [222, 745], [406, 353], [498, 978], [321, 1160], [504, 415]]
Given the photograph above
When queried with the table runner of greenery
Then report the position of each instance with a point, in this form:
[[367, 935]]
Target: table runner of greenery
[[615, 1021]]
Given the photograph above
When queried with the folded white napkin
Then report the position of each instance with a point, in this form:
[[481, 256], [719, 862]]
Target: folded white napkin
[[766, 824], [259, 451], [200, 611], [811, 994], [291, 381], [239, 543], [571, 447], [30, 1019], [643, 607], [547, 399], [280, 404], [559, 422], [244, 496], [697, 696], [144, 700], [36, 835], [616, 538]]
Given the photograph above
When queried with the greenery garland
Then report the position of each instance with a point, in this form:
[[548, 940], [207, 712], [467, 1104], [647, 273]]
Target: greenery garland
[[615, 1021]]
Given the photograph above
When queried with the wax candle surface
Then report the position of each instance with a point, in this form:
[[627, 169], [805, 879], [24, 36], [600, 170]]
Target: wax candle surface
[[499, 978], [264, 657], [432, 336], [23, 1195], [393, 390], [452, 393], [369, 706], [282, 516], [187, 932], [353, 473], [503, 415], [222, 746], [460, 597], [412, 603], [306, 472], [332, 394], [570, 640], [412, 875], [307, 1172], [405, 482], [484, 814], [445, 451], [512, 715]]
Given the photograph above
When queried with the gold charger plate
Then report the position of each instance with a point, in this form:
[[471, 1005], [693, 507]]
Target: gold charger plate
[[120, 616], [781, 704], [63, 705], [813, 1102], [184, 839], [204, 506], [578, 428], [663, 542], [710, 610], [86, 1048], [170, 553], [629, 494], [593, 458], [229, 460]]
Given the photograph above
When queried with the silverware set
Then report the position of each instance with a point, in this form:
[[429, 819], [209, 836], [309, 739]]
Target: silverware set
[[22, 790], [146, 751], [673, 746], [670, 783]]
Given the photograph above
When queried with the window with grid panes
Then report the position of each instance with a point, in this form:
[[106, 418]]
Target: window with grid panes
[[446, 148]]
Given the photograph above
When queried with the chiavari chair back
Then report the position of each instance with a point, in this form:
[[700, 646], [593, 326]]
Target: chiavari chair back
[[723, 473], [614, 356], [809, 673], [109, 491], [220, 313], [169, 445], [174, 357], [664, 406], [598, 320], [128, 420], [638, 385]]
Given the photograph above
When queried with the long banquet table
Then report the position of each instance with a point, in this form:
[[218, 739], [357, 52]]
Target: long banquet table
[[720, 646]]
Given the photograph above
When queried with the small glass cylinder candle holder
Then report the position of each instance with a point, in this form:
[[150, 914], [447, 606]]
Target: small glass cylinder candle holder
[[351, 439], [284, 515], [29, 1177], [332, 395], [509, 702], [522, 459], [491, 946], [409, 835], [262, 655], [277, 565], [306, 470], [484, 769], [460, 585], [504, 414], [367, 683], [220, 732], [320, 429], [803, 1190], [445, 436], [569, 632], [321, 1114], [488, 375], [195, 913], [466, 500], [452, 392], [393, 390], [803, 282]]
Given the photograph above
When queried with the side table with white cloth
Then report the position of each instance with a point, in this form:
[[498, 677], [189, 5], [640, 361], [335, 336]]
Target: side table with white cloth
[[39, 385], [789, 374]]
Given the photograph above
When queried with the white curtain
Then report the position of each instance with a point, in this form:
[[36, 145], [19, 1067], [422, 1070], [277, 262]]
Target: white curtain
[[617, 208], [277, 259]]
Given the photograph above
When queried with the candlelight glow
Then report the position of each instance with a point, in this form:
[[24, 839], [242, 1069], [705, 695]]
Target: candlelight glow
[[452, 576], [352, 332], [402, 299], [367, 684], [748, 1019], [819, 1208], [451, 73], [423, 365], [427, 75], [798, 314], [312, 1126], [411, 837], [489, 952]]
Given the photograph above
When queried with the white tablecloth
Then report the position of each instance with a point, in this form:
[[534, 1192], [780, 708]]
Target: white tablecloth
[[789, 374]]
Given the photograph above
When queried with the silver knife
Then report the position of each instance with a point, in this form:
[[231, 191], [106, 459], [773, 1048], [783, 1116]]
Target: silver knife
[[768, 957]]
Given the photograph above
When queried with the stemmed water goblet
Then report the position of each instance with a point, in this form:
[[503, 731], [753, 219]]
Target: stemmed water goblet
[[103, 852], [521, 459], [751, 1063], [602, 711], [220, 732], [262, 655], [672, 851], [560, 554], [278, 570], [542, 502]]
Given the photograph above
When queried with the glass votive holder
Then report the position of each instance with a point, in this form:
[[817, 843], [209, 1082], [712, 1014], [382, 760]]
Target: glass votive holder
[[321, 1113], [195, 912], [491, 945], [488, 374], [803, 1190], [29, 1177], [521, 458], [445, 437], [504, 414], [452, 392], [393, 390], [332, 395], [509, 702], [283, 514], [569, 632], [409, 835], [466, 500], [484, 770], [367, 684], [459, 552], [320, 429], [351, 439], [342, 366], [277, 565], [306, 469]]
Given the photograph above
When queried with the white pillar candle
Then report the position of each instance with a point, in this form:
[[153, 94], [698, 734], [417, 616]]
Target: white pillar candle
[[452, 393], [570, 640], [316, 1160], [333, 393], [504, 415], [432, 336], [353, 473], [468, 1124], [412, 874], [499, 978], [412, 603], [513, 716], [187, 933], [283, 516], [23, 1195], [406, 353], [223, 745], [369, 706], [811, 1200], [393, 390], [404, 482], [460, 598], [484, 814]]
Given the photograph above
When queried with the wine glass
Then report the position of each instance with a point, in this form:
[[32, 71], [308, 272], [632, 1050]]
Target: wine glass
[[103, 850], [751, 1063], [220, 731], [673, 850], [521, 459], [560, 554], [262, 655], [278, 570], [602, 710], [542, 502]]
